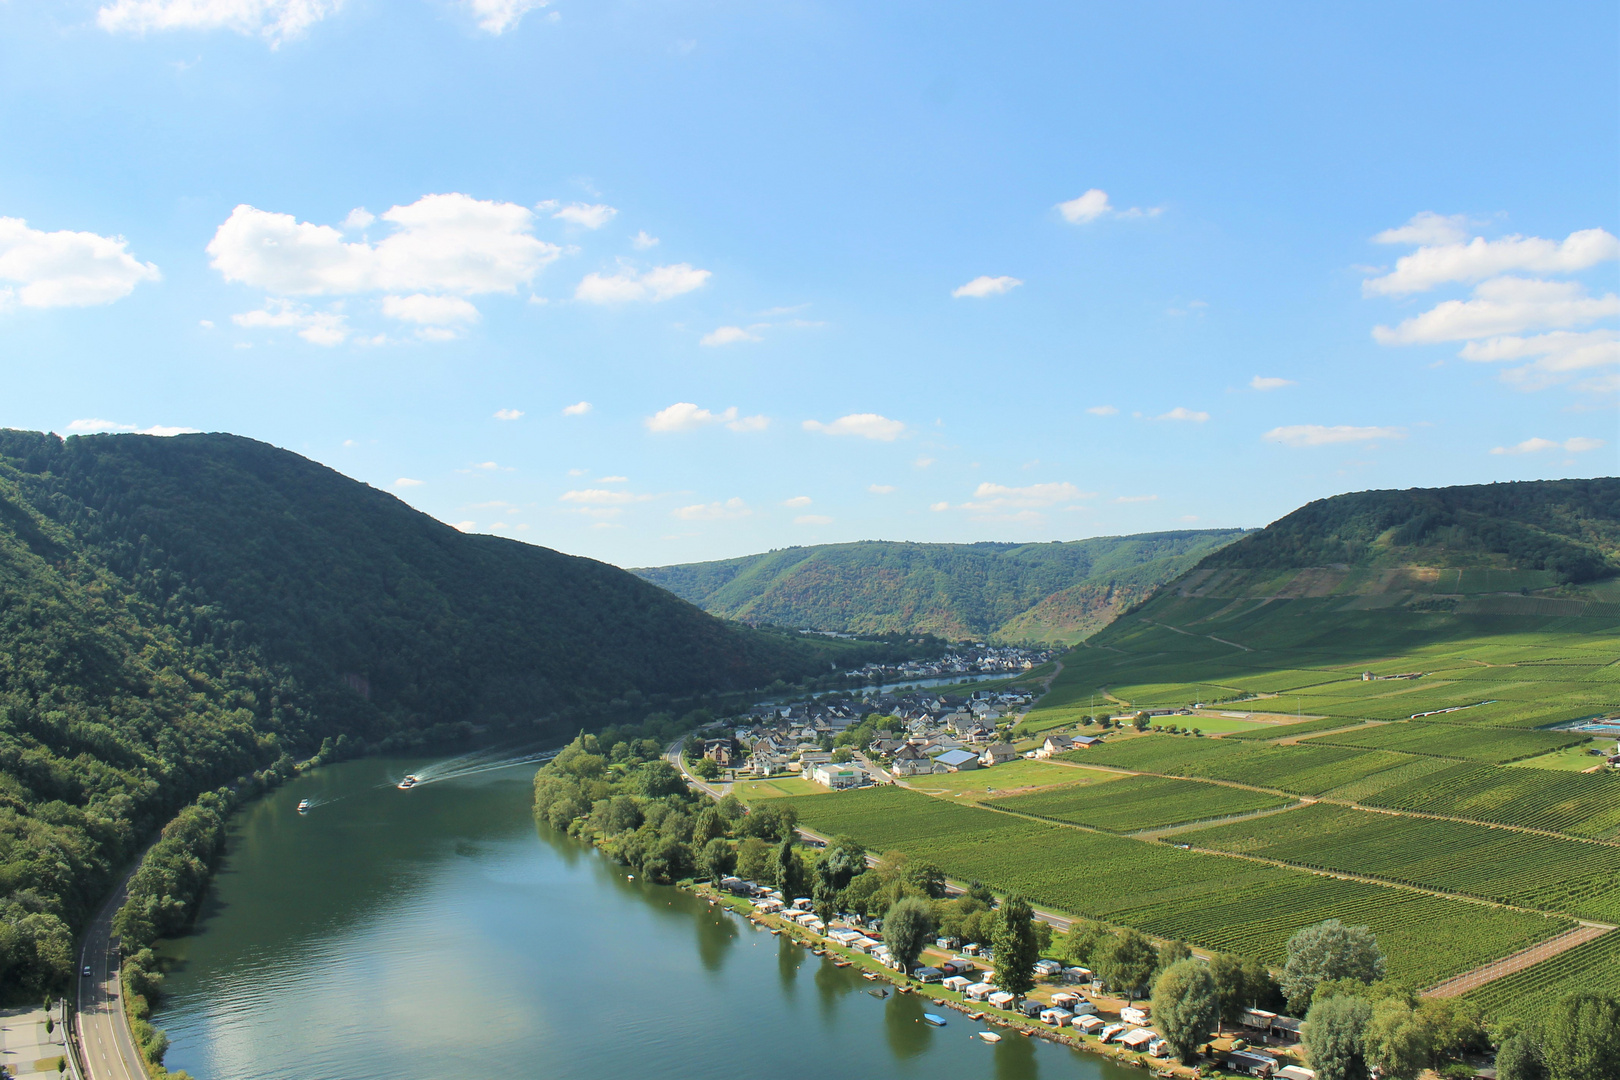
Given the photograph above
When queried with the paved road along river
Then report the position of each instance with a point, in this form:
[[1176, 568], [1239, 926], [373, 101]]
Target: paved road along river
[[437, 932]]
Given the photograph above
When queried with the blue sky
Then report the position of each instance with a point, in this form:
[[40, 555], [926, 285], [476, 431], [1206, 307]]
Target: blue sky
[[664, 281]]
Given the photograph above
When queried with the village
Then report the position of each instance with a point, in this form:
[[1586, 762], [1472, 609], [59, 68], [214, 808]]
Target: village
[[1069, 1004]]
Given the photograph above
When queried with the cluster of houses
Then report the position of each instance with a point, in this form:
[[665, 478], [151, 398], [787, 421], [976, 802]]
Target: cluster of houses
[[963, 661]]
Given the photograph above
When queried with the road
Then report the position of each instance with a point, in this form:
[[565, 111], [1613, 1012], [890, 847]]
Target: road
[[106, 1047]]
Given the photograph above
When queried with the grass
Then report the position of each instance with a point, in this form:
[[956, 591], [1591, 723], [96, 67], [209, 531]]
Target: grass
[[1140, 802], [1570, 759], [780, 787], [1023, 774]]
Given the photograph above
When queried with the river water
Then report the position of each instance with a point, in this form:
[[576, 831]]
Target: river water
[[438, 932]]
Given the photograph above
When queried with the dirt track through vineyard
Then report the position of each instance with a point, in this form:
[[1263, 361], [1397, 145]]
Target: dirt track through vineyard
[[1473, 980]]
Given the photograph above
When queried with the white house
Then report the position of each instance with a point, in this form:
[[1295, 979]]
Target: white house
[[838, 777]]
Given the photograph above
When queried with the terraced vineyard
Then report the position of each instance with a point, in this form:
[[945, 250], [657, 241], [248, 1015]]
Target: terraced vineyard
[[1290, 731], [1305, 769], [1580, 804], [1209, 900], [1140, 802], [1569, 876], [1454, 741], [1527, 995]]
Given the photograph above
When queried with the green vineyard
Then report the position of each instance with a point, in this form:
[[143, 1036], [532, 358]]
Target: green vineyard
[[1526, 995], [1580, 804], [1140, 802]]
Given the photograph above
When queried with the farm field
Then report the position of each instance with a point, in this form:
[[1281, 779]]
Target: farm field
[[1577, 758], [1009, 776], [1207, 900], [1140, 802], [1305, 769], [782, 786], [1579, 804], [1298, 729], [1492, 745], [1528, 994], [1542, 872]]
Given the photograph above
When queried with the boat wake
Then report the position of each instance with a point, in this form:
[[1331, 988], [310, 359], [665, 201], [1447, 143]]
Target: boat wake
[[479, 761]]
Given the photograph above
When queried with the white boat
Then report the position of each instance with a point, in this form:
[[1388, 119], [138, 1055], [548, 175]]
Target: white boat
[[303, 806], [989, 1036], [409, 782]]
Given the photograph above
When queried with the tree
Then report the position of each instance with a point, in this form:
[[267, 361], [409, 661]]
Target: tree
[[925, 877], [659, 780], [980, 892], [1333, 1036], [906, 929], [1016, 947], [708, 825], [1185, 1007], [1329, 950], [841, 861], [1080, 946], [730, 808], [705, 768], [1520, 1058], [1172, 952], [842, 755], [755, 862], [1581, 1038], [1126, 962], [1141, 721], [715, 859], [1397, 1041], [790, 877]]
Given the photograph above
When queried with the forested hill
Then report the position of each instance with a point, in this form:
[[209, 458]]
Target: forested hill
[[1566, 529], [177, 613], [1019, 592]]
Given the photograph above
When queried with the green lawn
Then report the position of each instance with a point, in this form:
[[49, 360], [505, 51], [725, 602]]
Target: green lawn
[[1569, 759], [775, 788], [1020, 775]]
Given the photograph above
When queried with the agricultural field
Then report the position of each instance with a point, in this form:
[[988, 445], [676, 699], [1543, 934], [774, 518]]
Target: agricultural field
[[1492, 745], [1580, 804], [1207, 900], [1568, 876], [1269, 732], [1299, 770], [1140, 802], [752, 790], [1577, 758], [1010, 776], [1528, 994]]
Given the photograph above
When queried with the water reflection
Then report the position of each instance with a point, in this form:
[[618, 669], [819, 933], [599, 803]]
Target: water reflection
[[1014, 1058], [903, 1022], [716, 933], [833, 984], [788, 959]]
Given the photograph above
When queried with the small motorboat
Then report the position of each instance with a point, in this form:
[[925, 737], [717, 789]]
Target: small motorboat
[[303, 806], [989, 1036], [937, 1021], [409, 782], [879, 994]]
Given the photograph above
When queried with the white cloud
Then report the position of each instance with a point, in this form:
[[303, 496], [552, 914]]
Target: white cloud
[[643, 240], [1088, 207], [499, 16], [1303, 435], [407, 482], [939, 506], [325, 328], [1429, 228], [1103, 410], [727, 335], [465, 526], [613, 480], [441, 244], [274, 20], [66, 269], [87, 427], [1504, 305], [359, 218], [1554, 357], [1137, 498], [923, 462], [1576, 445], [508, 414], [1180, 413], [1266, 382], [989, 498], [715, 511], [587, 215], [685, 416], [659, 283], [427, 310], [601, 497], [866, 425], [1481, 258], [983, 286], [578, 408], [797, 501], [812, 519], [880, 489]]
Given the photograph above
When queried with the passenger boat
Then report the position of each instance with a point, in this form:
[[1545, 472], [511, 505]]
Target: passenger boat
[[989, 1036], [937, 1021], [303, 806], [409, 782]]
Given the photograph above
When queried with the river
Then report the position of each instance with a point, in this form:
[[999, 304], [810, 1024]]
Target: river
[[438, 932]]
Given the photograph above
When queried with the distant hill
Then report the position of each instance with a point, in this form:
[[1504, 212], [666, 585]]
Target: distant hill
[[1018, 592]]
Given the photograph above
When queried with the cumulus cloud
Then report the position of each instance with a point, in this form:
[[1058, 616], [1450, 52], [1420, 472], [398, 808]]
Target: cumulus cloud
[[880, 489], [65, 268], [508, 414], [983, 286], [715, 511], [659, 283], [578, 408], [326, 328], [1427, 228], [1180, 413], [601, 497], [453, 244], [1576, 445], [425, 310], [1094, 204], [1136, 498], [407, 482], [685, 416], [92, 426], [1554, 357], [274, 20], [1504, 305], [1480, 258], [727, 335], [643, 240], [1103, 410], [797, 500], [499, 16], [865, 425], [586, 215], [1264, 382], [1304, 435], [812, 519], [990, 498]]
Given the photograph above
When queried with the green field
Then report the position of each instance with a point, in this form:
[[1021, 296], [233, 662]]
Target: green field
[[1299, 770], [1140, 802], [1527, 995], [780, 787], [1568, 876], [1009, 776], [1577, 758], [1208, 900], [1292, 731], [1580, 804], [1492, 745]]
